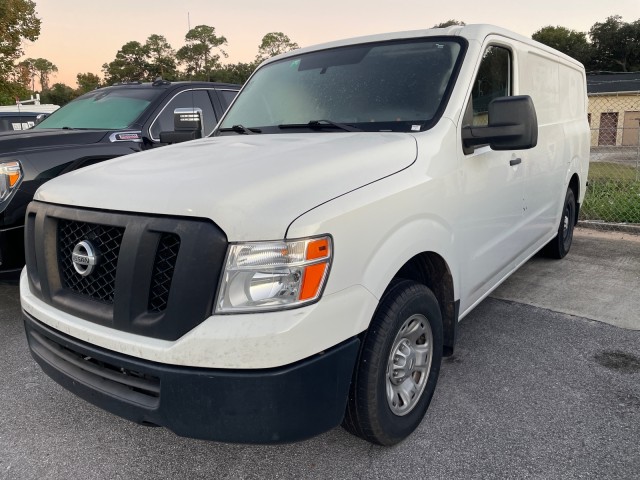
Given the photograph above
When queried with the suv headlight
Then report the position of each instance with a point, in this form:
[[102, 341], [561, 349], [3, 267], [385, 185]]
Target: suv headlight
[[262, 276], [10, 176]]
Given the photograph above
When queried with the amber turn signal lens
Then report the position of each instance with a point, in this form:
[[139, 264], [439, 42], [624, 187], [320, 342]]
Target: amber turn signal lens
[[13, 179], [314, 274], [312, 280], [318, 249]]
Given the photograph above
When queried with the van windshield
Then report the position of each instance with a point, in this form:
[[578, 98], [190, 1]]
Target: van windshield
[[109, 109], [386, 86]]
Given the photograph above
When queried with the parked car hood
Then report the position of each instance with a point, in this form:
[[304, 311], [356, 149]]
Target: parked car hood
[[252, 187], [22, 140]]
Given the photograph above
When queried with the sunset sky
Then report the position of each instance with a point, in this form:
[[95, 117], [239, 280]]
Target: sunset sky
[[80, 35]]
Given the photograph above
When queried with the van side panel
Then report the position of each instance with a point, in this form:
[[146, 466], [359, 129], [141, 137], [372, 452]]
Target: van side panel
[[539, 78], [576, 127], [557, 90]]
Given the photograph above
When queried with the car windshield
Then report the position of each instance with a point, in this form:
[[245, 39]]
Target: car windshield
[[397, 86], [110, 109]]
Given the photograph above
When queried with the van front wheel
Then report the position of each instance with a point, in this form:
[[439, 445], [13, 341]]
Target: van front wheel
[[561, 243], [398, 366]]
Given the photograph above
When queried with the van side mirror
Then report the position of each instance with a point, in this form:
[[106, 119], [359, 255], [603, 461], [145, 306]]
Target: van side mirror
[[513, 125], [40, 118], [187, 125]]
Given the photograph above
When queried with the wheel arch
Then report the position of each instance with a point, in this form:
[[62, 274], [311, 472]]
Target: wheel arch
[[431, 270], [423, 251], [574, 184]]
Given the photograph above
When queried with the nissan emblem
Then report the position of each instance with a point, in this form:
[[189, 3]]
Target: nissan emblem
[[84, 258]]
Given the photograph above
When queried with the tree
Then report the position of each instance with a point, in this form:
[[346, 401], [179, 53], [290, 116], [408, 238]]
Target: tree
[[10, 91], [58, 94], [197, 53], [192, 56], [233, 73], [18, 22], [161, 58], [130, 64], [616, 45], [44, 68], [87, 82], [449, 23], [569, 42], [22, 75], [27, 73], [273, 44]]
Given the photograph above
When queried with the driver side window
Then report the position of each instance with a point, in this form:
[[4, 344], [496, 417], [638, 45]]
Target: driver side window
[[493, 81]]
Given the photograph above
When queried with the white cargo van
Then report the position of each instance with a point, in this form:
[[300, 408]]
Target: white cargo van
[[308, 264]]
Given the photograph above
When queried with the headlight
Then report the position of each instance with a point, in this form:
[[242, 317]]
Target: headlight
[[10, 175], [261, 276]]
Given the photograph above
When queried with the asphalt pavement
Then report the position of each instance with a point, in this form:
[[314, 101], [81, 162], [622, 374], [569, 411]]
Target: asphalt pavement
[[533, 391]]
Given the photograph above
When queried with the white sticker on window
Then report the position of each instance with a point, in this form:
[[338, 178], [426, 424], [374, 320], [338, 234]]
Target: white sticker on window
[[415, 128], [22, 126]]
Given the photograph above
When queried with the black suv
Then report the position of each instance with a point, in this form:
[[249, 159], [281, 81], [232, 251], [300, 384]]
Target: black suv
[[103, 124]]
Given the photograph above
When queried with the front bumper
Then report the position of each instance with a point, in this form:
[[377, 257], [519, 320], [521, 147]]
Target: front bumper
[[283, 404]]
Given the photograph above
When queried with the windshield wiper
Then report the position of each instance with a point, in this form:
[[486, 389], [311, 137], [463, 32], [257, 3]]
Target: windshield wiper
[[241, 129], [322, 124]]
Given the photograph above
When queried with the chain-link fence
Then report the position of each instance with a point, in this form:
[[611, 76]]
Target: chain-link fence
[[612, 199]]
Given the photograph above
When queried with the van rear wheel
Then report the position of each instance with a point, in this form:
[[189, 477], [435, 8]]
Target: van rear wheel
[[398, 366], [561, 243]]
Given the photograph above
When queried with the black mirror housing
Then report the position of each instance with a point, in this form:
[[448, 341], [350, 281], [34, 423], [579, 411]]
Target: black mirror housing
[[187, 124], [178, 137], [513, 125]]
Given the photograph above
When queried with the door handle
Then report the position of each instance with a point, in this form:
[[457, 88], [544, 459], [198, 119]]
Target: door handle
[[515, 161]]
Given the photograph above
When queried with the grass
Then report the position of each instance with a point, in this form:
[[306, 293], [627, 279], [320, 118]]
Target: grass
[[613, 194]]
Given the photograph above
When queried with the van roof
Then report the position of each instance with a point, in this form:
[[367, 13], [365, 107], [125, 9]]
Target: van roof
[[28, 108], [477, 32]]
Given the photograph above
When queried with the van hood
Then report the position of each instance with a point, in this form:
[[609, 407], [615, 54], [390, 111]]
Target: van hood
[[252, 187], [32, 139]]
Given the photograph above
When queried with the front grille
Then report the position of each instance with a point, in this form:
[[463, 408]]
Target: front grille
[[163, 267], [100, 284], [146, 281]]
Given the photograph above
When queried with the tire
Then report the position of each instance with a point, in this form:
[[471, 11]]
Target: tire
[[398, 366], [559, 246]]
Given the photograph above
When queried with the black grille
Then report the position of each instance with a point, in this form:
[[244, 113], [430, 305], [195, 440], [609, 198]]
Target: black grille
[[100, 284], [163, 268], [158, 291]]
